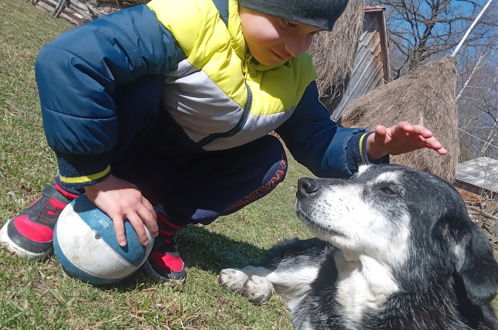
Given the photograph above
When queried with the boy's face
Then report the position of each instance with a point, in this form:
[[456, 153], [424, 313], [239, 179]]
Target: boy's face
[[273, 40]]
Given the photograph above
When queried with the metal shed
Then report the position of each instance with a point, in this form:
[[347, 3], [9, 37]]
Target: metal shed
[[479, 175], [371, 61]]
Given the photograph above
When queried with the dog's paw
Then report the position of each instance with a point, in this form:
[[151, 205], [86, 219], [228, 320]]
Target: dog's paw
[[232, 279], [257, 289]]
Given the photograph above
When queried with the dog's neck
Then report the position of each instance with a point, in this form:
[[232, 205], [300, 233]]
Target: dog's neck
[[362, 283]]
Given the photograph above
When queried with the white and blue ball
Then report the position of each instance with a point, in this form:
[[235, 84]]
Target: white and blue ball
[[86, 246]]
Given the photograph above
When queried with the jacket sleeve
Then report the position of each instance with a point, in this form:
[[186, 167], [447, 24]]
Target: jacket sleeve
[[77, 76], [320, 144]]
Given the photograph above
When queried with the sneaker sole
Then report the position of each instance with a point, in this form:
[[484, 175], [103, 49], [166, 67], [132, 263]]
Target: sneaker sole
[[16, 249], [152, 274]]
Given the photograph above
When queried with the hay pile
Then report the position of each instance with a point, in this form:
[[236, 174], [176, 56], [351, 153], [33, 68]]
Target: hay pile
[[333, 53], [424, 96]]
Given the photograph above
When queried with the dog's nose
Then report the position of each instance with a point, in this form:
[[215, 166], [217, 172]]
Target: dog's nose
[[306, 187]]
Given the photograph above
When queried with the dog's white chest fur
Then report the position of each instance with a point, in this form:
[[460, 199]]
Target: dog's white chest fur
[[363, 283]]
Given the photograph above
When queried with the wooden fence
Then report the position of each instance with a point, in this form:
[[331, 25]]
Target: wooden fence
[[82, 11]]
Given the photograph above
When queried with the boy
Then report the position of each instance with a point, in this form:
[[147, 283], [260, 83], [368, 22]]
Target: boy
[[160, 114]]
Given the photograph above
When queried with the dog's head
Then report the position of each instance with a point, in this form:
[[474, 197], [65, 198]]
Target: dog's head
[[409, 220]]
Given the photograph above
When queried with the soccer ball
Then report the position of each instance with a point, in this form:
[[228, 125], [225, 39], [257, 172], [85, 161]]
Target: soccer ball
[[85, 244]]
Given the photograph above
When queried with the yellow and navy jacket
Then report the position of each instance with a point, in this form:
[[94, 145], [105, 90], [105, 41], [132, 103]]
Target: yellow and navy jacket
[[213, 90]]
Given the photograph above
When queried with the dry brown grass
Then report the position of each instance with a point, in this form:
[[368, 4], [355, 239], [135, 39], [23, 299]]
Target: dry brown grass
[[333, 53], [425, 97]]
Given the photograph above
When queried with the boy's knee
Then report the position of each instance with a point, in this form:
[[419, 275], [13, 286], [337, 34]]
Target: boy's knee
[[275, 165], [278, 169]]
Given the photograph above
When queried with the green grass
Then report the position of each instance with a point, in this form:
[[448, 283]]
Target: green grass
[[41, 295]]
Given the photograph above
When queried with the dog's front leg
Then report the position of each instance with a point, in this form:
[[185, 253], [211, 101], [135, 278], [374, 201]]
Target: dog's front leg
[[250, 281]]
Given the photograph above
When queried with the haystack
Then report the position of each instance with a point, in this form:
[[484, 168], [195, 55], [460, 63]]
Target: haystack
[[425, 97], [333, 53]]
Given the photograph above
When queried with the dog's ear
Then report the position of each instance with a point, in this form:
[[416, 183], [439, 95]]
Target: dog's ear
[[473, 259], [478, 269]]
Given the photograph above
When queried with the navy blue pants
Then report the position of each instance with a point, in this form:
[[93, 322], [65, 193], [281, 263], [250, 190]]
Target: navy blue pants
[[195, 186], [199, 188]]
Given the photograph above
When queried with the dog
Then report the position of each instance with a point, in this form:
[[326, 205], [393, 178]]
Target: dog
[[395, 249]]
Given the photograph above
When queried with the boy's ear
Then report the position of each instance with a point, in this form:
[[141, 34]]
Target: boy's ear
[[473, 259]]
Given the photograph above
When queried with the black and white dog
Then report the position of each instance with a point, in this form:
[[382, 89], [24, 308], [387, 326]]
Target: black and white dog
[[396, 249]]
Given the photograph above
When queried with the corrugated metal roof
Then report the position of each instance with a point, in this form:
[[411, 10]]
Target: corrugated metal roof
[[371, 62], [481, 173]]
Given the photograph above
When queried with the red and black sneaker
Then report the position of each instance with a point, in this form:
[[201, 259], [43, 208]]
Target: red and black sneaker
[[29, 234], [164, 262]]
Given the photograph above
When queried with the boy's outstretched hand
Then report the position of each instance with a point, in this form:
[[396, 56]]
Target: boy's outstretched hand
[[123, 201], [400, 138]]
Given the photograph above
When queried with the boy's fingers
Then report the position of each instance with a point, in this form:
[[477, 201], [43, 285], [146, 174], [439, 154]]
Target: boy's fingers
[[424, 131], [442, 151], [381, 130], [433, 143], [417, 136], [149, 219], [149, 206], [406, 126], [401, 128], [119, 229], [380, 134], [138, 225]]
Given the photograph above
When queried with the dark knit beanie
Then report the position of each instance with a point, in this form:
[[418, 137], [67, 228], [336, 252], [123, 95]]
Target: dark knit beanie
[[318, 13]]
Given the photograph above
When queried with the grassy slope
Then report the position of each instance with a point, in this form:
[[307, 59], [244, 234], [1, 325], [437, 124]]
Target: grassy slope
[[40, 294]]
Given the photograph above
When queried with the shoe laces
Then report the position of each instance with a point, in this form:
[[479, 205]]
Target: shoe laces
[[51, 210]]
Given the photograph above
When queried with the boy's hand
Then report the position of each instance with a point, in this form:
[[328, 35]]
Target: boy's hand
[[121, 201], [401, 138]]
